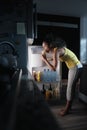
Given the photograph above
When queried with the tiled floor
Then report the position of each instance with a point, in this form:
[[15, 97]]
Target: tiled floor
[[76, 120], [31, 111]]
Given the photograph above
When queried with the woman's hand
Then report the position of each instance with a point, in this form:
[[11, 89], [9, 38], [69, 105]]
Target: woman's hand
[[54, 59], [48, 63]]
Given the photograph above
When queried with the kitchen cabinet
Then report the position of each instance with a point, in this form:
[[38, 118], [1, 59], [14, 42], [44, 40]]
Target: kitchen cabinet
[[83, 85]]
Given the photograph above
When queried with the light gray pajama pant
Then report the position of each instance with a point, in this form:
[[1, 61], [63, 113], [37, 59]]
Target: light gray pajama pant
[[73, 76]]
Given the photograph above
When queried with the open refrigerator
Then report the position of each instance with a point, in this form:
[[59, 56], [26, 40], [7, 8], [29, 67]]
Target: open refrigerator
[[48, 81]]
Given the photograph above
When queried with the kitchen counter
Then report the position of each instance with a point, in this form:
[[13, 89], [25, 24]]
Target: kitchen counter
[[28, 110]]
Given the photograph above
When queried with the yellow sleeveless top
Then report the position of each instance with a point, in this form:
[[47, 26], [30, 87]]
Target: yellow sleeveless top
[[69, 58]]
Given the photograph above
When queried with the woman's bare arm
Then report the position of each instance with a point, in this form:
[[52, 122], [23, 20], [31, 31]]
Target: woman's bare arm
[[52, 67], [55, 59]]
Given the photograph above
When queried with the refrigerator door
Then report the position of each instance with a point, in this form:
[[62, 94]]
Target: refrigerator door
[[34, 55]]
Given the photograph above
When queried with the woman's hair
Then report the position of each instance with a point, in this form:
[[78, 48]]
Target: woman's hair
[[53, 42], [49, 39], [59, 42]]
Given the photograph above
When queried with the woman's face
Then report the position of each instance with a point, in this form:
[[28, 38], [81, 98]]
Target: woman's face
[[45, 46]]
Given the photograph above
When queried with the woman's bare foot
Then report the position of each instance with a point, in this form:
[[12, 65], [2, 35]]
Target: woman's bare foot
[[64, 112], [67, 108]]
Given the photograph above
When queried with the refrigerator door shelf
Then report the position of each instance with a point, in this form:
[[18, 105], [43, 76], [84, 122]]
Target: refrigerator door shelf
[[46, 76]]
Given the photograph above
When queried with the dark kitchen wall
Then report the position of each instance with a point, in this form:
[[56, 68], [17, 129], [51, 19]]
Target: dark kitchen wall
[[68, 28], [16, 23], [14, 11]]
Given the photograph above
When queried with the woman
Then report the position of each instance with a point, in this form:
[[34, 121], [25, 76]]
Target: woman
[[62, 53]]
